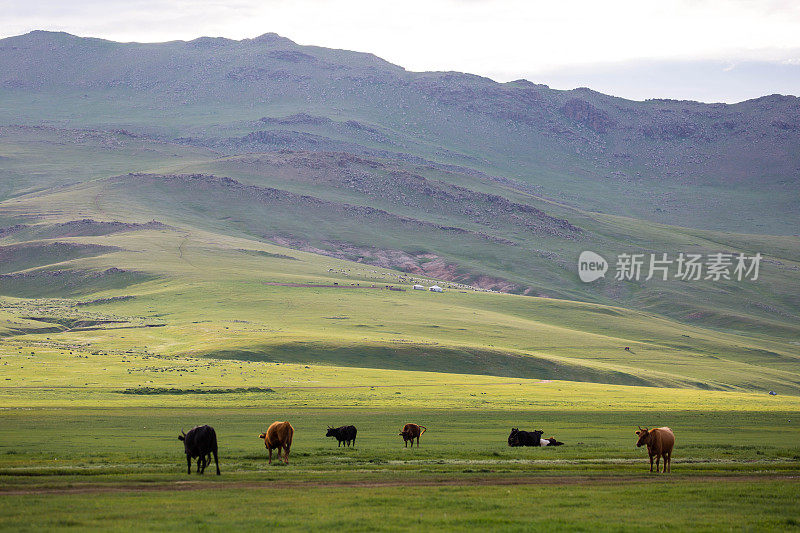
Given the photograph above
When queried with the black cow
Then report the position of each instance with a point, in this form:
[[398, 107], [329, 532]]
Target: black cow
[[200, 442], [344, 434], [525, 438]]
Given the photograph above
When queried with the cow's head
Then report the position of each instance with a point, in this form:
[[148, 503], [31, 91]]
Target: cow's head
[[331, 432], [644, 437], [513, 438], [262, 436], [187, 447]]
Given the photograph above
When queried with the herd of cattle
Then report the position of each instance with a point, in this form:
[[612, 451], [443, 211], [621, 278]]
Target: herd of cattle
[[201, 442]]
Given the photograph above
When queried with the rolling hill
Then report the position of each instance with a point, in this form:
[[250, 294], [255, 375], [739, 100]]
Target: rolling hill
[[719, 167], [261, 200]]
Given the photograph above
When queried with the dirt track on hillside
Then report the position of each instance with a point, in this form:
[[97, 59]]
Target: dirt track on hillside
[[212, 484]]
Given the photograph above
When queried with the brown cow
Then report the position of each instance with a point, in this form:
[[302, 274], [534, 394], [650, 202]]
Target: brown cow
[[659, 444], [278, 435], [411, 432]]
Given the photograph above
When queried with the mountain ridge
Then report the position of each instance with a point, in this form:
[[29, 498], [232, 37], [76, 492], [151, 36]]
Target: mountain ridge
[[449, 174], [272, 38], [595, 151]]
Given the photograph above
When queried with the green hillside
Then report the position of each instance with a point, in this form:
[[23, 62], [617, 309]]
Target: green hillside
[[427, 220], [176, 290], [235, 232], [720, 167], [264, 211]]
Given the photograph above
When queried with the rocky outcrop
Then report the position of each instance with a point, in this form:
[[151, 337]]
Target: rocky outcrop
[[423, 264], [585, 113]]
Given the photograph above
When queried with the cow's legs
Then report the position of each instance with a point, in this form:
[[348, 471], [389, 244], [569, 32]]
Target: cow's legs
[[668, 462], [206, 462], [658, 462], [189, 463], [216, 461], [417, 442], [651, 463], [286, 454], [270, 455], [201, 464]]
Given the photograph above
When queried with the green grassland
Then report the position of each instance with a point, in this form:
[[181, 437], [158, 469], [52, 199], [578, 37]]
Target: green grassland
[[703, 506], [190, 262], [96, 385], [99, 457], [207, 307], [35, 158], [527, 245]]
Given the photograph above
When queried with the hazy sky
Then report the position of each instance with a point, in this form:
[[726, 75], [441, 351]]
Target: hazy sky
[[682, 48]]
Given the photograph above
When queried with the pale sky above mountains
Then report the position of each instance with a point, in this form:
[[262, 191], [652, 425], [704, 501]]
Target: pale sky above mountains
[[708, 50]]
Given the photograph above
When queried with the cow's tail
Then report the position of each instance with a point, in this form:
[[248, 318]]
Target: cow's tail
[[424, 429], [289, 437]]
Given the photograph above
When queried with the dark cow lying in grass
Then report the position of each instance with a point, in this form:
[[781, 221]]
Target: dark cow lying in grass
[[346, 434], [524, 438], [200, 442], [530, 438]]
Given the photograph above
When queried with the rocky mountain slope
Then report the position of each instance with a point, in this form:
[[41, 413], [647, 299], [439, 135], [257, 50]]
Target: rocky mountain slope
[[723, 167]]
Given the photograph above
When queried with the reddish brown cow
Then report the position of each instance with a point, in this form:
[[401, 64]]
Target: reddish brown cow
[[659, 443], [278, 435], [411, 432]]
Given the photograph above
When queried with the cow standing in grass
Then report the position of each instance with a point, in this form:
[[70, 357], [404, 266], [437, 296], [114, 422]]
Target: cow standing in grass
[[200, 442], [411, 432], [659, 443], [278, 435], [346, 434]]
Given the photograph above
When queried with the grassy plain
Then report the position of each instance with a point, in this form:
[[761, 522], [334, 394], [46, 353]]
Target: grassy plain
[[630, 506], [117, 331], [95, 456]]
